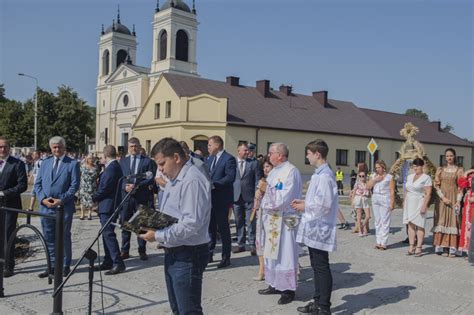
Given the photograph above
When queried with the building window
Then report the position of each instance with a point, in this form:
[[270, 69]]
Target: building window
[[106, 62], [106, 136], [360, 157], [306, 161], [157, 111], [163, 45], [125, 139], [121, 57], [441, 160], [182, 45], [125, 100], [397, 155], [148, 147], [460, 161], [201, 145], [268, 145], [341, 157], [168, 109]]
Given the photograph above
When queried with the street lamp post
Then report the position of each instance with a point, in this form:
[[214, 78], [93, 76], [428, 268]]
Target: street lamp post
[[36, 108]]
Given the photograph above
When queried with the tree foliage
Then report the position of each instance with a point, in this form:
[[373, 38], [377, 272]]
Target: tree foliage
[[62, 114], [417, 113]]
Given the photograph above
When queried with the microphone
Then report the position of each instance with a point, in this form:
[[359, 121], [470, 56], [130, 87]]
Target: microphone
[[147, 175]]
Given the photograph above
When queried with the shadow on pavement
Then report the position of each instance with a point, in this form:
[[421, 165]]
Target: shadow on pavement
[[372, 299]]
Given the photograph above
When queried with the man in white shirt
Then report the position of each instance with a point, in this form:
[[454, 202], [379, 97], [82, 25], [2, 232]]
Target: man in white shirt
[[317, 228], [187, 197]]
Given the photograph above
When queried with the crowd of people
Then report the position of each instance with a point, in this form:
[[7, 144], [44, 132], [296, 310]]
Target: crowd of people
[[264, 195]]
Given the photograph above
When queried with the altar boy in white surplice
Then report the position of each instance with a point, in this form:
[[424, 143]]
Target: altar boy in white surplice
[[317, 228], [280, 223]]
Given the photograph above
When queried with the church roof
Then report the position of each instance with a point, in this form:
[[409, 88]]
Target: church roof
[[119, 28], [177, 4], [139, 69], [248, 107]]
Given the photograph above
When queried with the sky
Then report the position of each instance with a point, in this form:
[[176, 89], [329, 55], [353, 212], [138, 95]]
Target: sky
[[380, 54]]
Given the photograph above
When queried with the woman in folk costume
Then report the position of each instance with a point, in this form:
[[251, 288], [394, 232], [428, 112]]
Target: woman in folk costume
[[415, 205], [360, 202], [383, 202], [447, 207], [280, 224], [465, 182], [260, 232]]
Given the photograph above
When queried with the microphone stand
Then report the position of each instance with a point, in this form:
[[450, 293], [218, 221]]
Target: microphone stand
[[91, 255]]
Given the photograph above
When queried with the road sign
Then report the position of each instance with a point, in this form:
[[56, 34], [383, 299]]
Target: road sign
[[372, 146]]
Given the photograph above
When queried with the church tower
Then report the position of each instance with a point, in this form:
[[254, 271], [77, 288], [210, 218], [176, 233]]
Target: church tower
[[116, 46], [174, 39]]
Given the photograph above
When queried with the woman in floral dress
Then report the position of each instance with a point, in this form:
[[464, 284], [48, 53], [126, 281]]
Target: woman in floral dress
[[89, 175]]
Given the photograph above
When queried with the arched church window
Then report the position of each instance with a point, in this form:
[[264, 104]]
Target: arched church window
[[163, 45], [182, 45], [106, 62], [125, 100], [121, 57]]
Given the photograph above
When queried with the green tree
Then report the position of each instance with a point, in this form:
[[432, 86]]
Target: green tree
[[417, 113], [448, 127]]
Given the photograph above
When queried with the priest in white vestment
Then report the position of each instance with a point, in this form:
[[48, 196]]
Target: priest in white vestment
[[317, 228], [280, 222]]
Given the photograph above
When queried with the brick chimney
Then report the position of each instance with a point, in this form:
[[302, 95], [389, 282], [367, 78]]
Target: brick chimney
[[263, 86], [286, 89], [321, 97], [233, 81]]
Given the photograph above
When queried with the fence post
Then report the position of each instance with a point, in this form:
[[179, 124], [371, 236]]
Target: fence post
[[59, 260]]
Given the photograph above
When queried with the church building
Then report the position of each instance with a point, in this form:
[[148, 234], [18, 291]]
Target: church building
[[169, 99]]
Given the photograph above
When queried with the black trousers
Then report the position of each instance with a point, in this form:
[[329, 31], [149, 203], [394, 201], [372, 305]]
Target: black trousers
[[10, 226], [322, 277]]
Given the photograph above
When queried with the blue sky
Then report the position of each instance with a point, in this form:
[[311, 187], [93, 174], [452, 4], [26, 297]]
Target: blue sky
[[386, 54]]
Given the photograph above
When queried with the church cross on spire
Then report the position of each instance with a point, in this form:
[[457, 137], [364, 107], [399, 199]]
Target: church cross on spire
[[194, 7], [157, 9], [118, 13]]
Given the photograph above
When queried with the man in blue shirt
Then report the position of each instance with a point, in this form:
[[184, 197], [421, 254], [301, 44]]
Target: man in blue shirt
[[187, 197]]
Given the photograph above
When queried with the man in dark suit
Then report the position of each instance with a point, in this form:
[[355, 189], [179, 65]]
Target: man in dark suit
[[222, 168], [108, 198], [246, 180], [135, 163], [13, 181], [57, 183]]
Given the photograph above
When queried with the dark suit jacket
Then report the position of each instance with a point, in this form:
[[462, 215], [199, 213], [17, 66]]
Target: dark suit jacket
[[13, 181], [106, 194], [62, 185], [143, 195], [222, 176], [246, 184]]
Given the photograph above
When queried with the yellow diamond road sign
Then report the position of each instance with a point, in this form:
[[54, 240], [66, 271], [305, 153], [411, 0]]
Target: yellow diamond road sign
[[372, 146]]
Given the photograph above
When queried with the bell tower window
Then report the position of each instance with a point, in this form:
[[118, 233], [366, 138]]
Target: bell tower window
[[163, 45], [106, 62], [182, 45], [121, 57]]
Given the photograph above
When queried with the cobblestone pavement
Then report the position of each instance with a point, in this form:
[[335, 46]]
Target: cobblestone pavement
[[366, 281]]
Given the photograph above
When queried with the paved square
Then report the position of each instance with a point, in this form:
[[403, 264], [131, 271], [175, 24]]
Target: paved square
[[366, 281]]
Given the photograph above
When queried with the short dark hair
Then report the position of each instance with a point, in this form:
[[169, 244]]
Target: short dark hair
[[134, 140], [418, 162], [168, 147], [110, 151], [185, 146], [218, 140], [319, 146]]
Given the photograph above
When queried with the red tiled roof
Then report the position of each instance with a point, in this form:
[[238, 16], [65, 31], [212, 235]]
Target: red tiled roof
[[248, 107]]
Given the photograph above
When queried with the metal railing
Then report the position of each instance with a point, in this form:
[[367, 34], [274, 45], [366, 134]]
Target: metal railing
[[6, 251]]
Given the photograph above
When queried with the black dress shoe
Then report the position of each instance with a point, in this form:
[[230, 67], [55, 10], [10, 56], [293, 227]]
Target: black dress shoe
[[66, 271], [7, 273], [238, 250], [102, 267], [46, 274], [224, 263], [124, 255], [115, 270], [268, 291], [286, 297], [211, 259], [253, 252], [310, 308], [143, 256]]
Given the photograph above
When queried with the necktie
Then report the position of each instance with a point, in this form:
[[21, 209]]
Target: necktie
[[213, 163], [134, 164], [241, 168], [55, 167]]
